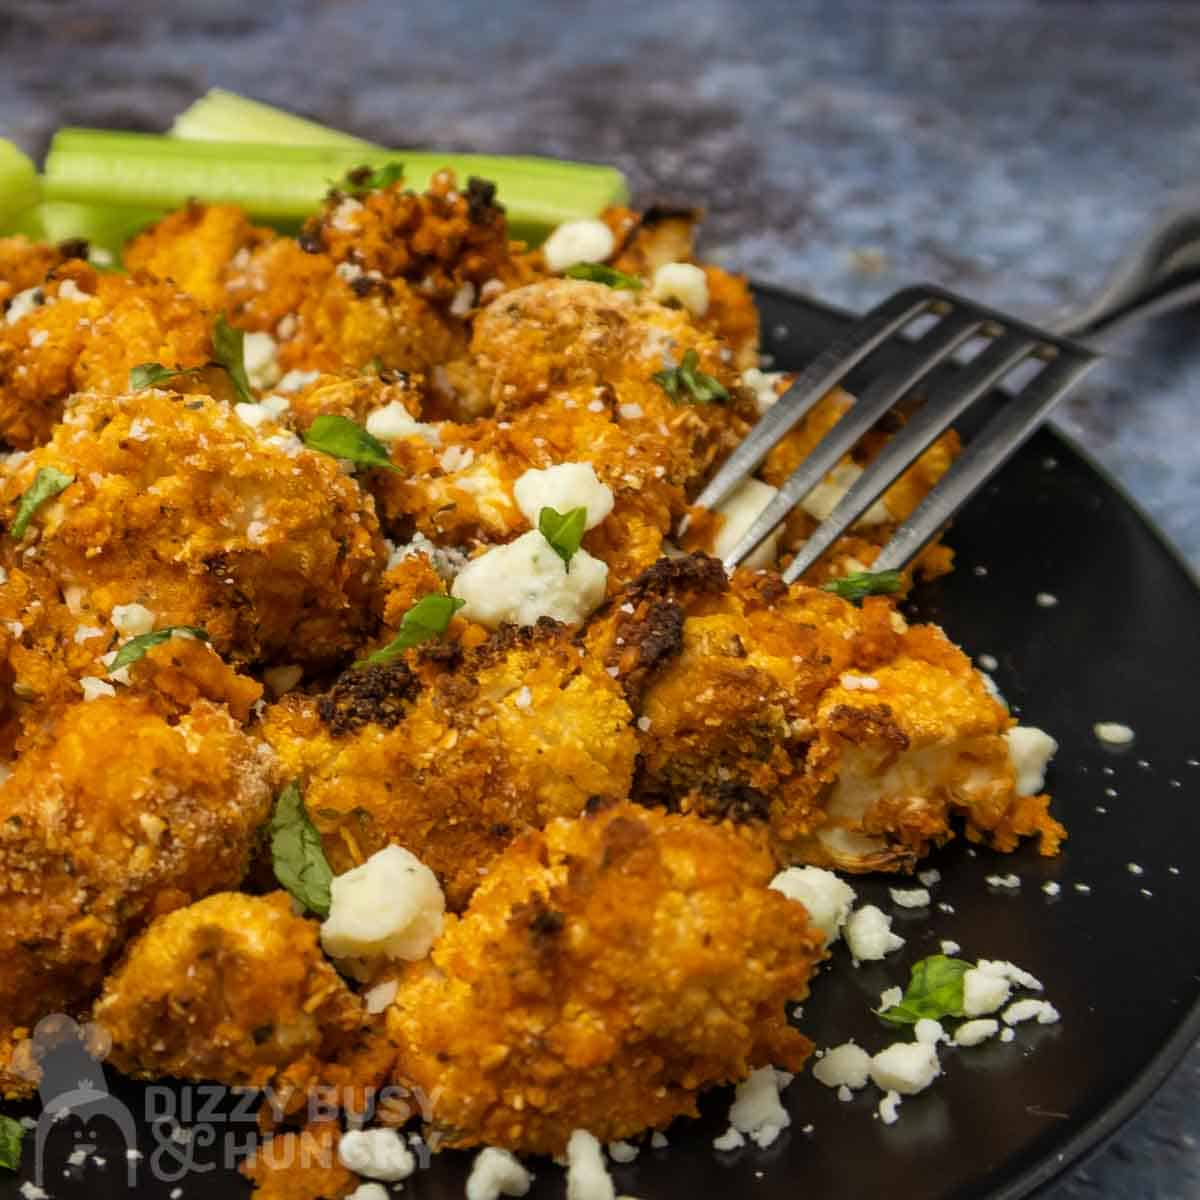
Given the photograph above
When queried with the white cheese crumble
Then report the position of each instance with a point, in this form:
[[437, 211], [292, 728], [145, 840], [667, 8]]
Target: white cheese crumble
[[94, 688], [762, 384], [1029, 750], [950, 948], [1113, 733], [825, 497], [525, 580], [297, 381], [683, 282], [587, 1173], [1051, 888], [971, 1033], [270, 408], [859, 683], [983, 992], [445, 560], [376, 1154], [379, 998], [259, 354], [756, 1110], [826, 897], [523, 698], [846, 1065], [456, 458], [729, 1140], [890, 997], [622, 1152], [929, 1032], [1045, 600], [496, 1173], [23, 303], [132, 620], [905, 1067], [84, 633], [576, 242], [1003, 881], [740, 511], [464, 300], [869, 934], [1007, 1034], [889, 1108], [1011, 972], [930, 877], [1028, 1010], [391, 907], [563, 487], [910, 897], [364, 1191], [394, 422]]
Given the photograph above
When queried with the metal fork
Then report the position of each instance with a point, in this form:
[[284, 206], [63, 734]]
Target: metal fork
[[1161, 273]]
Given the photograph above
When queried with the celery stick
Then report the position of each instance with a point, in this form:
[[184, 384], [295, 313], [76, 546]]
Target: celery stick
[[18, 184], [103, 227], [286, 183], [221, 116]]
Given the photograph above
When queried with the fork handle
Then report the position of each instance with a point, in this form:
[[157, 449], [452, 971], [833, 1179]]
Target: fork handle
[[1159, 274]]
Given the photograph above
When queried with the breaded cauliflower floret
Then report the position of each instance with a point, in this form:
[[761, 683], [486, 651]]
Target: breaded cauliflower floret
[[232, 988], [86, 334], [128, 806], [525, 730], [607, 970], [179, 507], [566, 334], [854, 736], [25, 264]]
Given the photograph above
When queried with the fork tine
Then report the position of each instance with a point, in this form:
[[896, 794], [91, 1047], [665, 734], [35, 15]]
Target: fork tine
[[944, 405], [986, 452], [823, 373], [934, 347]]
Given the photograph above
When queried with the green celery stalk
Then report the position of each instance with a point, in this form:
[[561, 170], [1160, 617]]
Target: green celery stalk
[[285, 184], [102, 226], [221, 116], [19, 189]]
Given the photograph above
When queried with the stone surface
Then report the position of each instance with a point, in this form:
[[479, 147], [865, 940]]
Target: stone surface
[[1006, 149]]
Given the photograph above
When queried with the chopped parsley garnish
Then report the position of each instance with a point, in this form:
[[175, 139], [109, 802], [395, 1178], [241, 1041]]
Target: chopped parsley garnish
[[371, 179], [428, 618], [609, 276], [935, 990], [136, 647], [687, 384], [297, 854], [47, 483], [11, 1136], [151, 374], [859, 584], [229, 352], [342, 438], [564, 531]]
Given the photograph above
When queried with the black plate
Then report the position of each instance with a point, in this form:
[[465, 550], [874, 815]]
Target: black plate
[[1120, 964]]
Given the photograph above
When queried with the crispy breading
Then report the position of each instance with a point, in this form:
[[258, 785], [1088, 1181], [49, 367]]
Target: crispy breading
[[179, 506], [607, 970], [126, 807], [300, 1166], [233, 988], [451, 242], [88, 333], [25, 264], [197, 247], [527, 729], [854, 736]]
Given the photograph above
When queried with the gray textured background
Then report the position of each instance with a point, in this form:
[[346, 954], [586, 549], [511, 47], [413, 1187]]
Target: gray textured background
[[1007, 149]]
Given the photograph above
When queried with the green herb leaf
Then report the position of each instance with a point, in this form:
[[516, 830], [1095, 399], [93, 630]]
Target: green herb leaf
[[151, 374], [47, 483], [856, 586], [11, 1135], [935, 990], [136, 647], [686, 383], [428, 618], [609, 276], [297, 854], [564, 531], [229, 351], [370, 179], [342, 438]]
